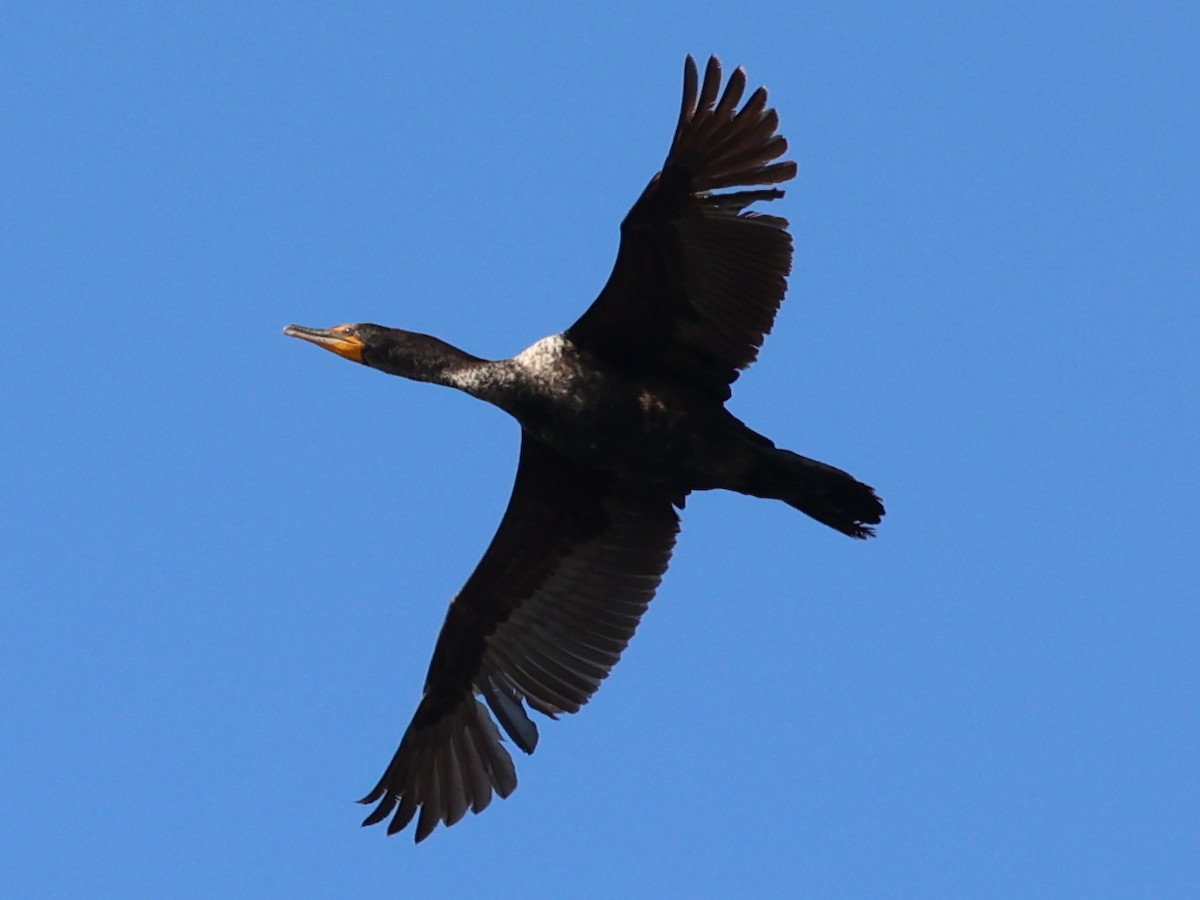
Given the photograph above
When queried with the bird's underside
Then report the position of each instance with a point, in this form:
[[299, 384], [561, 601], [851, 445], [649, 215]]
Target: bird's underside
[[592, 519]]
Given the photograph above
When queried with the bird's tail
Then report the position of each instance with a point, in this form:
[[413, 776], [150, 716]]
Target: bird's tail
[[831, 496]]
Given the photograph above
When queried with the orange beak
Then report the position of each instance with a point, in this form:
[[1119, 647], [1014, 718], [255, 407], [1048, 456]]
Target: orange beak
[[332, 339]]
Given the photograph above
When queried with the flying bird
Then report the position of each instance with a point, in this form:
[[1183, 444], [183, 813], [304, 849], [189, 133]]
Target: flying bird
[[622, 416]]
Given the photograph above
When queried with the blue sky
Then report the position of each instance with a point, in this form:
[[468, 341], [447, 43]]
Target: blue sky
[[226, 555]]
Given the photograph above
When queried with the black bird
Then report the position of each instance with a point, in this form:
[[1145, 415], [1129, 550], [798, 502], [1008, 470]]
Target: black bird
[[622, 415]]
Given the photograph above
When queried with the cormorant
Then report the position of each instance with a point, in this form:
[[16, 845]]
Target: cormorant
[[622, 415]]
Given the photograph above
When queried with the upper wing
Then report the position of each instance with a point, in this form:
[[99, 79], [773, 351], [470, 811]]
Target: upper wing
[[543, 619], [697, 281]]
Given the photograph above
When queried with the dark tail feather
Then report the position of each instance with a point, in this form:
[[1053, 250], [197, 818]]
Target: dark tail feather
[[831, 496]]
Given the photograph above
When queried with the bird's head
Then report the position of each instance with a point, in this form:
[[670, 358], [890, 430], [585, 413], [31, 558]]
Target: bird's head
[[357, 342], [405, 353]]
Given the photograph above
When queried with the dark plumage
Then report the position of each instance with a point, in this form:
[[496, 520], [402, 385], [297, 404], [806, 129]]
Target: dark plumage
[[622, 415]]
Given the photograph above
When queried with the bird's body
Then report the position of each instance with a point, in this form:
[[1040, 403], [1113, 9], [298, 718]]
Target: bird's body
[[622, 416], [653, 430]]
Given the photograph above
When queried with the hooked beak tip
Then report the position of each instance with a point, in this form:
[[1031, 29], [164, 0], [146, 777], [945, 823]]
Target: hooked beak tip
[[346, 345]]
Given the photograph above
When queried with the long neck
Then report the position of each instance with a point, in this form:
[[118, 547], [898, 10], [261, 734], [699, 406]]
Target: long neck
[[422, 357], [425, 358]]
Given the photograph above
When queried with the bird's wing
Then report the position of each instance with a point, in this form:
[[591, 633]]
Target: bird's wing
[[542, 621], [698, 280]]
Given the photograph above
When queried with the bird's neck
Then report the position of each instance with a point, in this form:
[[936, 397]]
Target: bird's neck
[[432, 360], [538, 369]]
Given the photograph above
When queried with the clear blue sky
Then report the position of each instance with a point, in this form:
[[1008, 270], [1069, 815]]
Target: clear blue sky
[[226, 555]]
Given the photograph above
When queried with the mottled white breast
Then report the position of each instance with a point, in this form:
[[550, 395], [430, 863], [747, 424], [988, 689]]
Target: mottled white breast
[[544, 356]]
